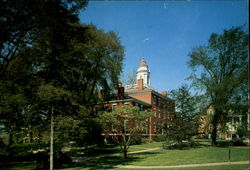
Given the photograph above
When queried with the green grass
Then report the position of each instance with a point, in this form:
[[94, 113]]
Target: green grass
[[223, 167], [189, 156], [164, 157], [133, 148], [110, 155]]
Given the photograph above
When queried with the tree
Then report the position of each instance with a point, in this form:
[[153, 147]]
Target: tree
[[123, 124], [102, 57], [223, 69], [130, 78], [183, 126], [22, 21], [89, 62], [51, 68]]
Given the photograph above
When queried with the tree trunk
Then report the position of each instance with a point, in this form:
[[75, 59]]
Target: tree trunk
[[51, 139], [10, 130], [125, 146], [213, 135], [215, 122], [31, 137], [10, 139], [125, 153], [92, 91]]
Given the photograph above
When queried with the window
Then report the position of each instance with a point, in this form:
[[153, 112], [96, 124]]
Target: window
[[113, 106], [154, 127], [106, 107], [113, 129], [141, 107], [154, 99]]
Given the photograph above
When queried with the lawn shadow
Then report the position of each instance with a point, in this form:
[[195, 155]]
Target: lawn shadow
[[109, 161], [184, 146]]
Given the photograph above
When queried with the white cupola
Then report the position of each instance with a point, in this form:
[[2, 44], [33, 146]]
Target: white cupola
[[143, 73]]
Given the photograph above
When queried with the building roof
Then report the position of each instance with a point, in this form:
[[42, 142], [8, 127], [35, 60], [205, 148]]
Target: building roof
[[143, 63], [129, 99], [146, 90]]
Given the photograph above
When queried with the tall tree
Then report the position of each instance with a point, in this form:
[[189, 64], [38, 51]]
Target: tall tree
[[223, 69], [22, 21], [130, 78], [183, 126], [87, 63], [54, 63]]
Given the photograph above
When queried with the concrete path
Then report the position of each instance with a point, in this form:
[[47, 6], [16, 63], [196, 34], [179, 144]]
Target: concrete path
[[182, 166], [146, 150]]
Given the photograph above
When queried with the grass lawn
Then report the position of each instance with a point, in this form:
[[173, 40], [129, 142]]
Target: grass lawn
[[189, 156], [146, 146], [165, 157], [223, 167], [110, 155]]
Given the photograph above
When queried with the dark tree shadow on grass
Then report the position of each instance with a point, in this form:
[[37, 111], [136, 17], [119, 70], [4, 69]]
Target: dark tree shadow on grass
[[109, 162]]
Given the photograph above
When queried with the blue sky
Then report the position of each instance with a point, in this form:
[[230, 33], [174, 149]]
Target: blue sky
[[171, 30]]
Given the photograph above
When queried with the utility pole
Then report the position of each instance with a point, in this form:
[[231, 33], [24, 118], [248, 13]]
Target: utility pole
[[51, 138], [248, 128], [248, 113]]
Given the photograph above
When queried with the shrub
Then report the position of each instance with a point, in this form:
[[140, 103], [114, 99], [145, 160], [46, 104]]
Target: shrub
[[182, 145], [136, 140], [224, 143], [1, 143], [159, 138]]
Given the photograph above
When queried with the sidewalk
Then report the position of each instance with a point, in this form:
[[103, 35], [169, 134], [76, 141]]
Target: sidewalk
[[182, 166], [146, 150]]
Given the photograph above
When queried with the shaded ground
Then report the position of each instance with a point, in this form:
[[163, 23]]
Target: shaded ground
[[150, 156]]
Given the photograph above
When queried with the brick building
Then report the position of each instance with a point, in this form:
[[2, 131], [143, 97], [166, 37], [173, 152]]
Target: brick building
[[144, 96]]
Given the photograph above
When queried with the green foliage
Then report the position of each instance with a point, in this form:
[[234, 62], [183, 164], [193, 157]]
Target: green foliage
[[46, 68], [183, 145], [242, 131], [23, 21], [159, 138], [223, 66], [124, 124], [49, 63], [184, 125]]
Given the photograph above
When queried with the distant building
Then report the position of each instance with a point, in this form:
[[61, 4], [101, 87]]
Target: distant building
[[145, 97], [228, 133]]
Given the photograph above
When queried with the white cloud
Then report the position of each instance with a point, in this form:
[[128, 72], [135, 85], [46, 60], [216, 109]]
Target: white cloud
[[145, 39]]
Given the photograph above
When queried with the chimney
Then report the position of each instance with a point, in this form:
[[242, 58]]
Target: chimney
[[120, 91], [140, 84], [164, 93]]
